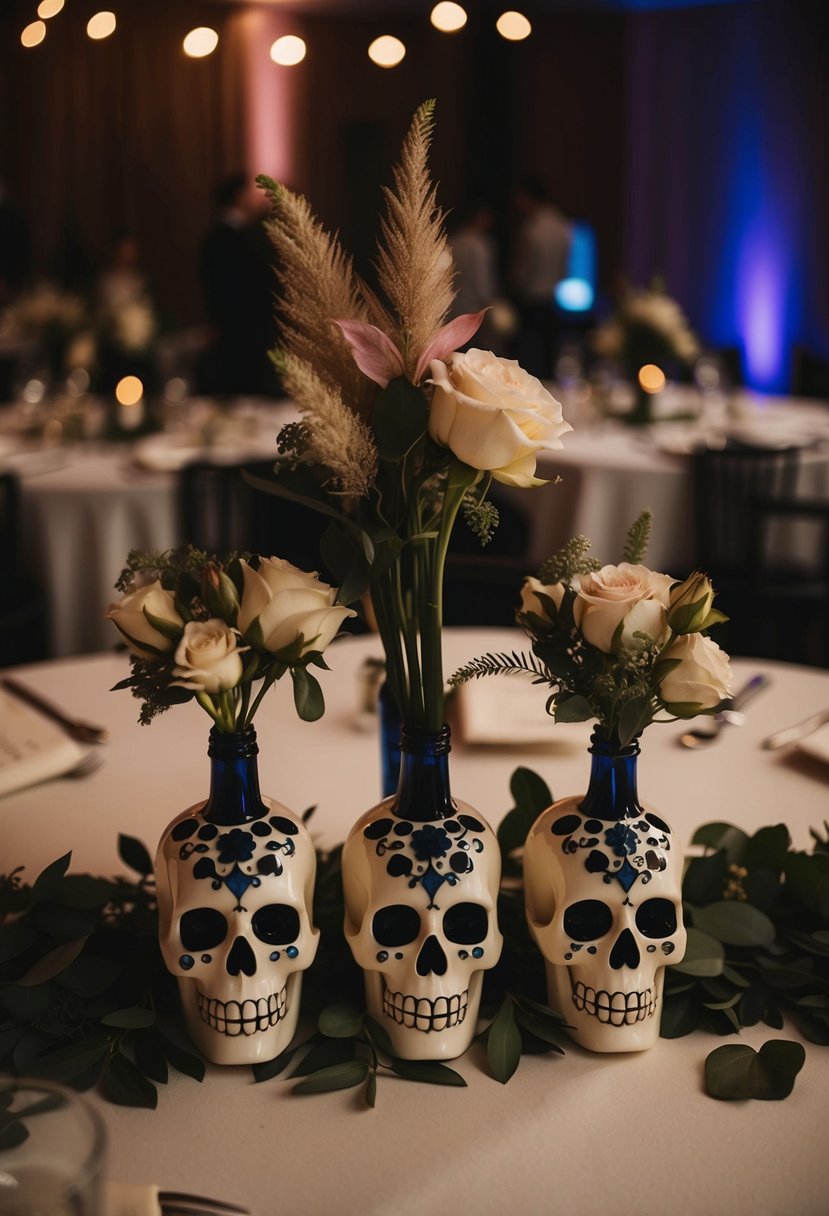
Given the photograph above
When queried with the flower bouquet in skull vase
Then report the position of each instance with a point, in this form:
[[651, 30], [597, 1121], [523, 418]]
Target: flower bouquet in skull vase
[[400, 433], [235, 872], [624, 646]]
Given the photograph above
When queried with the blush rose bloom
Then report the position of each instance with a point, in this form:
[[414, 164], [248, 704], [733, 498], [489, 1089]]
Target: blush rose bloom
[[494, 416], [531, 587], [129, 616], [287, 602], [208, 657], [703, 676], [633, 596]]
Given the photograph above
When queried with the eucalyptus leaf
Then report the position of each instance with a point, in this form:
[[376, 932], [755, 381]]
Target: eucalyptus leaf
[[503, 1043], [52, 963], [133, 1018], [338, 1076], [15, 939], [340, 1021], [531, 795], [125, 1084], [705, 878], [679, 1016], [150, 1058], [722, 836], [308, 697], [736, 1071], [735, 923], [324, 1054], [378, 1035], [49, 882], [704, 955], [767, 848], [27, 1004], [183, 1059], [428, 1071], [266, 1070], [572, 709], [134, 854], [371, 1088]]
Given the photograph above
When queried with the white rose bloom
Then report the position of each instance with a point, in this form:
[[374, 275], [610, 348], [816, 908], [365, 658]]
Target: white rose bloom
[[208, 657], [129, 614], [703, 676], [494, 416], [553, 591], [626, 593], [287, 602]]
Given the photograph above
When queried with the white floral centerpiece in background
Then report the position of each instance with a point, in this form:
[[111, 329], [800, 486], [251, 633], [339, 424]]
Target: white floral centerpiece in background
[[648, 329]]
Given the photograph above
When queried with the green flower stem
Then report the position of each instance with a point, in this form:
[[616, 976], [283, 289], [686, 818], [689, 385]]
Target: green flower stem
[[207, 705], [246, 717], [404, 597], [431, 603], [390, 637]]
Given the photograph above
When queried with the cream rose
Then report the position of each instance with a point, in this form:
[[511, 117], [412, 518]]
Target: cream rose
[[531, 588], [633, 596], [703, 676], [208, 657], [494, 416], [132, 613], [285, 602]]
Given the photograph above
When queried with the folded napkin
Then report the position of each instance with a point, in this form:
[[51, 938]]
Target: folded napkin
[[32, 748], [129, 1199]]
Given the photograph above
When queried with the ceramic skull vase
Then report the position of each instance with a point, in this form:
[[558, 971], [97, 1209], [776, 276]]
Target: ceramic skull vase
[[235, 928], [603, 901], [420, 919]]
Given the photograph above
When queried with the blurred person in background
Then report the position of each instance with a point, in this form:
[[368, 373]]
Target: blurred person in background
[[238, 285], [539, 263], [475, 254], [126, 320]]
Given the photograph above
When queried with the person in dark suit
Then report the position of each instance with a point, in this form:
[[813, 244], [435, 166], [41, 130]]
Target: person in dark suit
[[238, 284]]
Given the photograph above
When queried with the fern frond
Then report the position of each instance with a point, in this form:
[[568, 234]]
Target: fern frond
[[414, 263], [502, 663], [638, 537], [316, 284], [569, 560]]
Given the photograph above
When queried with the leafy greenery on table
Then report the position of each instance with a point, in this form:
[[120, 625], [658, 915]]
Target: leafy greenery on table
[[85, 998]]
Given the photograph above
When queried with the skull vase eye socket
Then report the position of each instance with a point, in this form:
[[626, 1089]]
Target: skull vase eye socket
[[603, 902], [235, 928]]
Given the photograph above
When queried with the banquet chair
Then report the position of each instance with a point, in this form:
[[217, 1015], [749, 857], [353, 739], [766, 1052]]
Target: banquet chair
[[810, 374], [24, 609], [219, 511], [738, 491]]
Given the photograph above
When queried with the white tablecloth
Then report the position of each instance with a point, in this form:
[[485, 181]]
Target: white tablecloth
[[583, 1134]]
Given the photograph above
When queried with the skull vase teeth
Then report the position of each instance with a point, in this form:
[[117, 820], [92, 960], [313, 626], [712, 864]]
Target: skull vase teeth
[[420, 911], [235, 925], [602, 881]]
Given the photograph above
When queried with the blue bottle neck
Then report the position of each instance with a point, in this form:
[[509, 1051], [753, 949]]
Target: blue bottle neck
[[234, 778], [423, 793], [612, 792]]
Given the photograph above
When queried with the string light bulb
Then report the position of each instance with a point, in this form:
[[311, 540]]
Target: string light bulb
[[49, 8], [200, 42], [33, 34], [386, 51], [288, 50], [448, 17], [101, 25], [513, 26], [651, 378]]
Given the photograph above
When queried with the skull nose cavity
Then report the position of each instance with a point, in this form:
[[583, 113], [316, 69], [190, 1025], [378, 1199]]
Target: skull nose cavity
[[625, 952], [241, 958], [431, 960]]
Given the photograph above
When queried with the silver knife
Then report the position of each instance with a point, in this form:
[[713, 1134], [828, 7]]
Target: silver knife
[[728, 713], [83, 732], [799, 731]]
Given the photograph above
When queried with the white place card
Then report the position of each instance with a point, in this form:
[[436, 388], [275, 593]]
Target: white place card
[[501, 710], [32, 748]]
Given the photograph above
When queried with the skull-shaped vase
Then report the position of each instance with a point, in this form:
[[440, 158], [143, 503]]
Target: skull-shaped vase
[[420, 878], [602, 880], [235, 881]]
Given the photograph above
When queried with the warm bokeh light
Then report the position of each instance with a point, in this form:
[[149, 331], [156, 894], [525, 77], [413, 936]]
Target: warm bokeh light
[[101, 25], [200, 42], [386, 51], [129, 391], [49, 8], [448, 17], [651, 378], [288, 50], [513, 26], [33, 34]]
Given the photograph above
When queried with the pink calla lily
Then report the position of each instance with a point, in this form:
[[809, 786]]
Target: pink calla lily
[[448, 338], [374, 352]]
